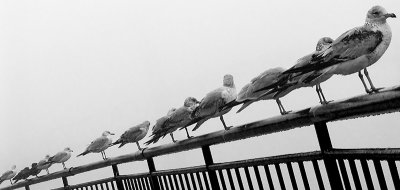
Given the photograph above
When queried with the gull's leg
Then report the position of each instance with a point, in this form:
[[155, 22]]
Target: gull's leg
[[137, 143], [172, 137], [373, 89], [105, 157], [322, 95], [223, 122], [47, 170], [362, 80], [319, 95], [64, 165], [281, 108], [11, 182], [187, 133]]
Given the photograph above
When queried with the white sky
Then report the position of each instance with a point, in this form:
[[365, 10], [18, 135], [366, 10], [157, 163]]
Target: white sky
[[70, 70]]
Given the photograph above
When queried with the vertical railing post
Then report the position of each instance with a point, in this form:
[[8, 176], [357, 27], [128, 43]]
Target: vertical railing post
[[325, 144], [27, 187], [118, 181], [209, 161], [153, 179], [65, 183]]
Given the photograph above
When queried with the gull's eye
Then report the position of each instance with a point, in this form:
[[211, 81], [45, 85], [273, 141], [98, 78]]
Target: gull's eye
[[375, 13]]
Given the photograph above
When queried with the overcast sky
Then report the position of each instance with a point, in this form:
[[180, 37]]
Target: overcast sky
[[70, 70]]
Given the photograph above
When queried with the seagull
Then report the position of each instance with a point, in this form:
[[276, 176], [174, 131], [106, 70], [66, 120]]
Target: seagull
[[23, 174], [44, 164], [99, 145], [133, 134], [8, 175], [356, 49], [291, 81], [213, 103], [61, 157], [250, 93], [34, 170], [175, 119], [158, 128]]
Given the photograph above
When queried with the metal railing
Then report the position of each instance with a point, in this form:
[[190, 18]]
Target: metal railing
[[339, 165]]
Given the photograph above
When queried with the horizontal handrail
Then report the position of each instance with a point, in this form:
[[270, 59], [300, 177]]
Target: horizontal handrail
[[386, 101], [369, 154]]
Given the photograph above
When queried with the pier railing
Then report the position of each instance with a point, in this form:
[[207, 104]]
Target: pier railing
[[344, 168]]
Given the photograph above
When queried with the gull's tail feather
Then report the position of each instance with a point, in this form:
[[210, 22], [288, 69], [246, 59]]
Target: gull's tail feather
[[229, 105], [153, 140], [283, 78], [247, 103], [83, 153], [198, 124], [119, 141], [122, 144]]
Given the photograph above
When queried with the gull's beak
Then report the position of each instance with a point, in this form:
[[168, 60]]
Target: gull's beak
[[387, 15]]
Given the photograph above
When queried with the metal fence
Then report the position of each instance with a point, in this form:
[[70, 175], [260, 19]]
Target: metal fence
[[344, 168]]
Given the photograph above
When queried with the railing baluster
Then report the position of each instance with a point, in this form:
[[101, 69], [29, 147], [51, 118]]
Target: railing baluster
[[325, 144], [269, 177], [258, 177], [27, 187], [318, 174], [291, 175], [395, 174], [140, 181], [229, 172], [155, 185], [239, 179], [117, 180], [187, 181], [222, 180], [379, 174], [248, 178], [165, 182], [199, 180], [206, 183], [280, 177], [170, 182], [343, 171], [304, 176], [146, 183], [65, 183], [209, 161], [367, 174], [175, 181], [181, 181], [193, 180], [354, 173]]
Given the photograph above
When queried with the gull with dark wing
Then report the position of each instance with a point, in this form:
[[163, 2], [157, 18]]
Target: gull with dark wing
[[61, 157], [158, 130], [44, 164], [100, 144], [212, 105], [23, 174], [175, 119], [356, 49], [134, 135], [34, 170], [268, 79], [291, 81], [8, 175]]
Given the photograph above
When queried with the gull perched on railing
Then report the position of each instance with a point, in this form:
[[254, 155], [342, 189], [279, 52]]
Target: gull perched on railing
[[356, 49], [290, 81], [100, 144], [213, 103], [133, 135], [158, 128], [34, 170], [44, 164], [175, 119], [61, 157], [8, 175], [23, 174]]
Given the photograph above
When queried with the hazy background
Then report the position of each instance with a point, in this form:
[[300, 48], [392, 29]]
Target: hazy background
[[70, 70]]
